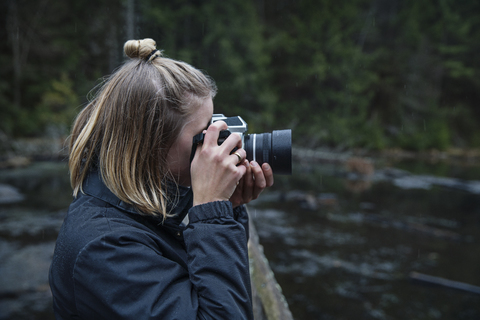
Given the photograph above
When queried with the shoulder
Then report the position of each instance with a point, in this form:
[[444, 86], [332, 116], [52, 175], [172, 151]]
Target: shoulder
[[93, 230], [112, 270], [89, 218]]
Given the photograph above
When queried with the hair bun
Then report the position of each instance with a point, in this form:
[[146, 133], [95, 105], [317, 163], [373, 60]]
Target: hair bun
[[139, 49]]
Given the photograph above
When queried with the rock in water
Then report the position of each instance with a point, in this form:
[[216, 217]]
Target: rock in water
[[9, 194]]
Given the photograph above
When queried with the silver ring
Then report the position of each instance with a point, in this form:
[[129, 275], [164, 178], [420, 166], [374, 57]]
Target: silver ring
[[239, 157]]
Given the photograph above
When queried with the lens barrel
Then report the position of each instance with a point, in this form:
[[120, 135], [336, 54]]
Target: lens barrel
[[274, 148]]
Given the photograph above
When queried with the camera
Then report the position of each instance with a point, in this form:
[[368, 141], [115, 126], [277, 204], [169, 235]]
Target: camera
[[273, 148]]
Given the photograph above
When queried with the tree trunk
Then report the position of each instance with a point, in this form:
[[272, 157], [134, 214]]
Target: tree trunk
[[130, 19], [15, 39]]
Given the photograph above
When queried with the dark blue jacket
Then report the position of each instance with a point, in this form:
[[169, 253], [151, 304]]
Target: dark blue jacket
[[111, 262]]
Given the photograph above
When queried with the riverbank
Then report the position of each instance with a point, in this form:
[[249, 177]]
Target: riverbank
[[20, 152], [457, 155], [24, 151]]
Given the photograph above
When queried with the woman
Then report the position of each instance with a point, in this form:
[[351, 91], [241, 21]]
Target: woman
[[149, 235]]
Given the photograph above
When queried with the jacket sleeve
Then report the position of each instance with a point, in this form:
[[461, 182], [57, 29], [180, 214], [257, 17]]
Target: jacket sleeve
[[241, 215], [127, 276], [218, 264]]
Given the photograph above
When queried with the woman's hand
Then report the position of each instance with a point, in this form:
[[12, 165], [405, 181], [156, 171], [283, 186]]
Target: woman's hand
[[254, 180], [215, 172]]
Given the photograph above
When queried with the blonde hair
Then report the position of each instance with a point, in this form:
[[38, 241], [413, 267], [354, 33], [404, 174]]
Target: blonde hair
[[129, 127]]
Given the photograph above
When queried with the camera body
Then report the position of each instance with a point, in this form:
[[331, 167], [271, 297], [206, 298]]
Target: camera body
[[273, 148], [235, 124]]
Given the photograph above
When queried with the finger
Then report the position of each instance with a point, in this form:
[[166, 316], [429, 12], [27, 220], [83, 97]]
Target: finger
[[247, 183], [260, 182], [233, 141], [239, 156], [233, 185], [240, 187], [268, 173], [211, 136], [240, 172], [236, 198]]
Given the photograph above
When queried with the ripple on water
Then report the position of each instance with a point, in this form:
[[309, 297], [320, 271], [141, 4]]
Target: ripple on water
[[308, 264]]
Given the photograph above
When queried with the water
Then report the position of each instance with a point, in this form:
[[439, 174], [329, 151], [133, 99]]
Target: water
[[345, 249], [340, 248], [28, 229]]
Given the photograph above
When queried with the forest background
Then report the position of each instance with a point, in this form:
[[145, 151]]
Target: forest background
[[374, 74]]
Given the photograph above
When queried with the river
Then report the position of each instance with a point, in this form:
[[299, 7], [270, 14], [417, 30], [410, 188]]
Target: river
[[342, 246], [349, 247]]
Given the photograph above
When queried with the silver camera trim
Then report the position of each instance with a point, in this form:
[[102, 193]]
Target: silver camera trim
[[240, 129]]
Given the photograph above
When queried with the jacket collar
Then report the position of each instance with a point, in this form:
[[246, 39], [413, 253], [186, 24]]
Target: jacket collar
[[180, 200]]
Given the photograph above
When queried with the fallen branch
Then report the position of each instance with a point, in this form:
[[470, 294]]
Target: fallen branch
[[444, 282]]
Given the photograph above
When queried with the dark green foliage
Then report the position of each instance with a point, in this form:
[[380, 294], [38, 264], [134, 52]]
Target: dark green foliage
[[372, 74]]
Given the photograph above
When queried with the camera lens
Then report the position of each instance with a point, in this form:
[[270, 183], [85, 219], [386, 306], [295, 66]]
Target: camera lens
[[274, 148]]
